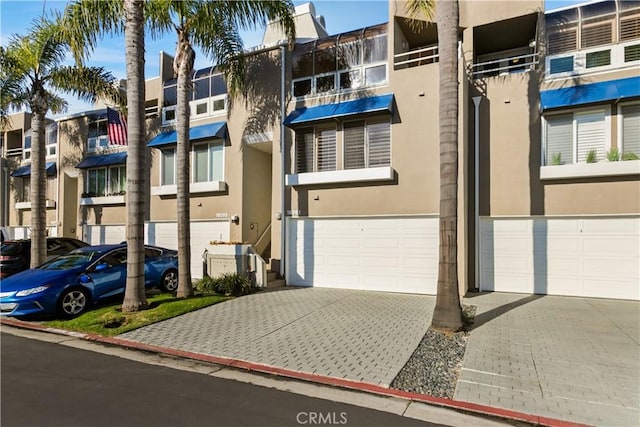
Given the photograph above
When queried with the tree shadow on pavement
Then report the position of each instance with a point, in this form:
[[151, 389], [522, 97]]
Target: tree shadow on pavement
[[487, 316]]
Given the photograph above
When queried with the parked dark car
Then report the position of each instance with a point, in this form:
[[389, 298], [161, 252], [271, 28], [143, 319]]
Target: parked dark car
[[69, 284], [15, 255]]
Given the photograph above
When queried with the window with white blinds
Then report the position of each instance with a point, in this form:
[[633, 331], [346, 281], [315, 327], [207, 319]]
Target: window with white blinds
[[631, 129], [304, 150], [367, 144], [591, 134], [354, 145], [379, 144], [326, 150], [571, 136], [559, 150]]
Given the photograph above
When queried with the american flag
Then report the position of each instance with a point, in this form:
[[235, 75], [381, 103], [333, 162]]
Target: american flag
[[116, 127]]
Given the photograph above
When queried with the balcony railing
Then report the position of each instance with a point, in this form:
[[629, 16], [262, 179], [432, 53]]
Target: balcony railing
[[504, 66], [416, 57], [13, 152]]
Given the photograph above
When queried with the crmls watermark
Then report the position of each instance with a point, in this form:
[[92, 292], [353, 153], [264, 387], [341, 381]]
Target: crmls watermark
[[321, 418]]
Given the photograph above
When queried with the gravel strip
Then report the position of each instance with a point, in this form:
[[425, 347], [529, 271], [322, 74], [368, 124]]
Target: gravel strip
[[434, 366]]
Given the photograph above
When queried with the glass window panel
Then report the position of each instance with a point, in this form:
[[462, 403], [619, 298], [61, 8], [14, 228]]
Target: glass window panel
[[354, 145], [101, 178], [26, 188], [350, 79], [561, 65], [303, 62], [27, 141], [170, 115], [598, 59], [52, 134], [201, 108], [123, 178], [631, 129], [203, 72], [201, 88], [114, 180], [215, 162], [590, 134], [302, 87], [559, 140], [379, 144], [326, 150], [304, 150], [170, 96], [375, 75], [375, 49], [218, 85], [349, 52], [325, 83], [218, 105], [632, 53], [200, 163], [168, 167], [325, 58]]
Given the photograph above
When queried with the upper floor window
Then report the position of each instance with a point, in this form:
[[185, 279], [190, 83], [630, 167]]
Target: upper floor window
[[207, 162], [344, 62], [98, 137], [51, 141], [315, 149], [111, 181], [629, 140], [208, 96], [367, 143], [581, 136]]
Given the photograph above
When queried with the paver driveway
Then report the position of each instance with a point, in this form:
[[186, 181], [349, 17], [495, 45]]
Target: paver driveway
[[357, 335]]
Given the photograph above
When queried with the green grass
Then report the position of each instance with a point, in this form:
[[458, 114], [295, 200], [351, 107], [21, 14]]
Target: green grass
[[110, 321]]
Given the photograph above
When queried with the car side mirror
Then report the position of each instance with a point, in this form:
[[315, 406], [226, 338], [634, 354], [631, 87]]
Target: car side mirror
[[85, 279], [101, 267]]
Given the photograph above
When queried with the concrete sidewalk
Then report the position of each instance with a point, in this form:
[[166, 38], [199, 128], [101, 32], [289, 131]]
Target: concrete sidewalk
[[571, 359]]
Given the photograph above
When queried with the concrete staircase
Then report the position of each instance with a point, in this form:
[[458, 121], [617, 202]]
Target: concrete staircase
[[273, 281]]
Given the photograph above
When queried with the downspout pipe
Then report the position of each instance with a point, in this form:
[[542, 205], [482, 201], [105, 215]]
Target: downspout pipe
[[476, 193], [283, 111]]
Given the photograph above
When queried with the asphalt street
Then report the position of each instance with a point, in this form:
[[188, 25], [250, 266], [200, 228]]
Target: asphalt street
[[46, 384]]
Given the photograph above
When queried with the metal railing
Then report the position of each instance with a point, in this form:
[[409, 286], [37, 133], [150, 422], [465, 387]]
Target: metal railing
[[504, 66], [416, 57], [13, 152]]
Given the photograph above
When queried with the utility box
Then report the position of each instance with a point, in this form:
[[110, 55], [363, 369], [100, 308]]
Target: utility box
[[227, 259]]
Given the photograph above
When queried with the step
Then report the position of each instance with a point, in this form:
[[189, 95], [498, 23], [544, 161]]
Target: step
[[271, 276]]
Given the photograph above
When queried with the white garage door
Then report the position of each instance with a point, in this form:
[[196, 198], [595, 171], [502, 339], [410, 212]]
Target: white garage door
[[589, 257], [390, 254], [165, 234], [103, 234]]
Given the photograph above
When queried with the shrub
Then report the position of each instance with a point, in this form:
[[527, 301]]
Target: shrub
[[227, 284], [591, 156], [630, 156], [613, 155]]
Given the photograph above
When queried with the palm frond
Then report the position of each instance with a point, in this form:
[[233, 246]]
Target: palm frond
[[420, 12], [88, 83]]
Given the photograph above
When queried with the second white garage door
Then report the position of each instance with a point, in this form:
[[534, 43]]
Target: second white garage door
[[393, 254], [165, 234]]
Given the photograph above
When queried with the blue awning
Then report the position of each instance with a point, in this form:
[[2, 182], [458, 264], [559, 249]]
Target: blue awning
[[211, 130], [341, 109], [100, 160], [23, 171], [590, 93]]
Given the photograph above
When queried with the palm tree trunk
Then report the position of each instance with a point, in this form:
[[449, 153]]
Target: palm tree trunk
[[183, 66], [38, 186], [447, 314], [137, 185]]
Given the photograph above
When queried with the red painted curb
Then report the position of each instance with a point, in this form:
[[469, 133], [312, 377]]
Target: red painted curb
[[320, 379]]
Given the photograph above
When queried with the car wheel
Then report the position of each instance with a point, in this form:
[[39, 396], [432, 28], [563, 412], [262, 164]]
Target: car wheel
[[73, 302], [169, 281]]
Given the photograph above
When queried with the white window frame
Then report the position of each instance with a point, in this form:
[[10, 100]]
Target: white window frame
[[164, 114], [620, 117], [209, 144], [366, 141], [108, 191], [26, 152], [162, 154], [607, 124]]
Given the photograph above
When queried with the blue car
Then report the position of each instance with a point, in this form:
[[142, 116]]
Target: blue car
[[68, 284]]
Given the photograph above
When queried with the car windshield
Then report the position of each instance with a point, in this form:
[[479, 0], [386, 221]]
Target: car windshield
[[71, 260], [10, 248]]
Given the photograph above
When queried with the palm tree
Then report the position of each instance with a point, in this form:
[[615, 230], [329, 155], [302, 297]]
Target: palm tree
[[212, 25], [447, 314], [32, 67]]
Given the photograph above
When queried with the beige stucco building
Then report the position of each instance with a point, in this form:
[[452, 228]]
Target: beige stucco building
[[328, 164]]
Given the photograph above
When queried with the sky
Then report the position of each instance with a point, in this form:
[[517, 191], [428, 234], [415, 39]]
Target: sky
[[340, 16]]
